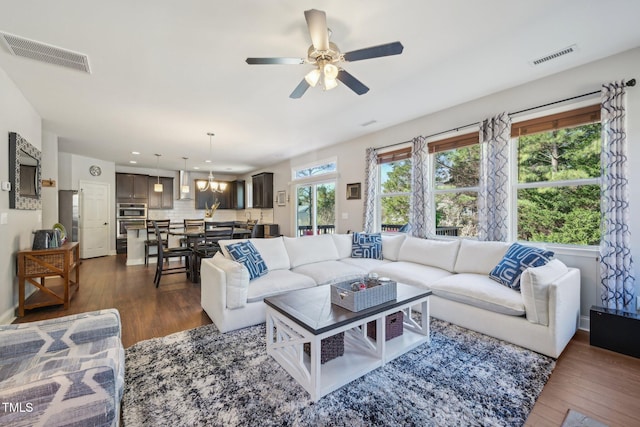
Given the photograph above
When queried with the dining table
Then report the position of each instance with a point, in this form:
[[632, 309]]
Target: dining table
[[194, 237]]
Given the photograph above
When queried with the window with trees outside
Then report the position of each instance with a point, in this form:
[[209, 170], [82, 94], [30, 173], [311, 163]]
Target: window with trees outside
[[395, 189], [315, 198], [558, 185], [456, 182]]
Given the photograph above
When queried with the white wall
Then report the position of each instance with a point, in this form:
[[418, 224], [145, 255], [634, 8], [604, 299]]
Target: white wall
[[49, 171], [577, 81], [16, 115]]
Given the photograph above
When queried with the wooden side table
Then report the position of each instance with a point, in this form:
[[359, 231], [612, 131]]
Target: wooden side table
[[59, 262]]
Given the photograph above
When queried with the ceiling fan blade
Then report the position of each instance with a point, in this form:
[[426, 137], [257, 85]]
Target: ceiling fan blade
[[283, 61], [352, 83], [317, 23], [388, 49], [299, 90]]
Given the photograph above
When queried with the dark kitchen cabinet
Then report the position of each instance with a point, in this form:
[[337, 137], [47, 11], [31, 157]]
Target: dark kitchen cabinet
[[236, 194], [262, 190], [206, 198], [132, 187], [162, 199]]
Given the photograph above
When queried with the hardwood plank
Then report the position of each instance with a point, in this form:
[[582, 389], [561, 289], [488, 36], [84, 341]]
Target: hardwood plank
[[596, 382]]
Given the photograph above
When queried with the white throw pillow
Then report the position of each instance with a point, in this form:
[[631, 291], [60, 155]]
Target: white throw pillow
[[479, 257], [391, 244], [273, 252], [310, 249], [435, 253], [343, 245], [534, 286], [237, 280]]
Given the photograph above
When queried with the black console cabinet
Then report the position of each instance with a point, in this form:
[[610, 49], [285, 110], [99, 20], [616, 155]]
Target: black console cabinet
[[615, 330]]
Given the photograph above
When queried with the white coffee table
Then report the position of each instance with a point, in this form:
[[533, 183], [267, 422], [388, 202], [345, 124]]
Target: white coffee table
[[307, 316]]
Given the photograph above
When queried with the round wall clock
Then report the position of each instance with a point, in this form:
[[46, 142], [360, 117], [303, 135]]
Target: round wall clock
[[95, 170]]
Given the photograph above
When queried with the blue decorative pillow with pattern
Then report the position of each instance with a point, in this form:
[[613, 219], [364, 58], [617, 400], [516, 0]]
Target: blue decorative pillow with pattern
[[247, 254], [517, 259], [366, 245]]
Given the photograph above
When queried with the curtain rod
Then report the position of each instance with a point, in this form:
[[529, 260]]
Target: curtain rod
[[630, 83]]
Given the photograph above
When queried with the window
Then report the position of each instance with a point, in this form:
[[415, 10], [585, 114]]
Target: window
[[558, 177], [395, 189], [316, 169], [456, 180], [315, 198]]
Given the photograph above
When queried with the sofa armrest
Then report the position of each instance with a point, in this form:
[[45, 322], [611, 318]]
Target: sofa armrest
[[28, 339], [564, 306]]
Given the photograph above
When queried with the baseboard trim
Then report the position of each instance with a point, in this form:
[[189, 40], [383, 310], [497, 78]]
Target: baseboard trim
[[8, 316], [585, 323]]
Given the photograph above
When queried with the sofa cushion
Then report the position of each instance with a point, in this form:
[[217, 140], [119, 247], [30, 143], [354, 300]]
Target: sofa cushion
[[391, 244], [480, 291], [273, 252], [366, 264], [276, 282], [247, 254], [479, 257], [515, 261], [343, 245], [435, 253], [310, 249], [534, 286], [366, 245], [329, 271], [411, 273], [237, 280]]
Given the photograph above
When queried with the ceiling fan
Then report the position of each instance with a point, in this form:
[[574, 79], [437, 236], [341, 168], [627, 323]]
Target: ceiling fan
[[327, 58]]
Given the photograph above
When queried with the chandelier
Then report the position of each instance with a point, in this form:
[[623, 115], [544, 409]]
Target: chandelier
[[210, 184], [158, 187]]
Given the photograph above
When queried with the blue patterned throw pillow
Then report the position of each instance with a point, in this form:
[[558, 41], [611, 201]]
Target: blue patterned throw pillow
[[517, 259], [366, 245], [247, 254]]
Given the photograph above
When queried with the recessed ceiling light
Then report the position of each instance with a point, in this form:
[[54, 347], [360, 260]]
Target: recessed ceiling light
[[132, 162], [229, 169], [196, 167], [135, 153], [207, 161]]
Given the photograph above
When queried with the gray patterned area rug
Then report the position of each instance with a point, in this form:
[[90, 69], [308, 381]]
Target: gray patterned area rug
[[203, 378]]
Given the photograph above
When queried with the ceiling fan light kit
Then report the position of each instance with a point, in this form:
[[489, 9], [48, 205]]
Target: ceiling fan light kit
[[326, 57]]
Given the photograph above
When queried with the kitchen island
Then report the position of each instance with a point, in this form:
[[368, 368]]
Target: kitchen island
[[137, 235]]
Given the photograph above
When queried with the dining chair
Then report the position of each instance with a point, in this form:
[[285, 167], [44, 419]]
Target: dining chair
[[254, 230], [153, 237], [191, 225], [218, 231], [165, 254]]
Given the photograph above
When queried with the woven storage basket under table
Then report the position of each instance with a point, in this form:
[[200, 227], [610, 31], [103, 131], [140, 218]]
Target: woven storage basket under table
[[393, 326], [330, 347]]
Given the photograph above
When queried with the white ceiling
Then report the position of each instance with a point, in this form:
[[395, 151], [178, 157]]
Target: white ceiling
[[166, 72]]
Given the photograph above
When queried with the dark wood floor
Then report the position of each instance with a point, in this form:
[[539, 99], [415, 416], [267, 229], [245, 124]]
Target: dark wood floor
[[599, 383]]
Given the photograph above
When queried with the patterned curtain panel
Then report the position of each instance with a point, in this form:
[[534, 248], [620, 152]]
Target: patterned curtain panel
[[420, 209], [370, 195], [493, 197], [616, 265]]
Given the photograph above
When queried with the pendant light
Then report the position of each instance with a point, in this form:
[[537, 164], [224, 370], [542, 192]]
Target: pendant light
[[184, 186], [210, 184], [158, 187]]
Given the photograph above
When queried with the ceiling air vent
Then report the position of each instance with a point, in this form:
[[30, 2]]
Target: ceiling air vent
[[20, 46], [555, 55]]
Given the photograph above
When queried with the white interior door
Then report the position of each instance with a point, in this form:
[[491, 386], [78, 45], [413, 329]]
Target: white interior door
[[94, 219]]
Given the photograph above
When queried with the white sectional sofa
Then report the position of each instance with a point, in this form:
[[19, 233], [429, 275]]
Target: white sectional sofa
[[543, 316]]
